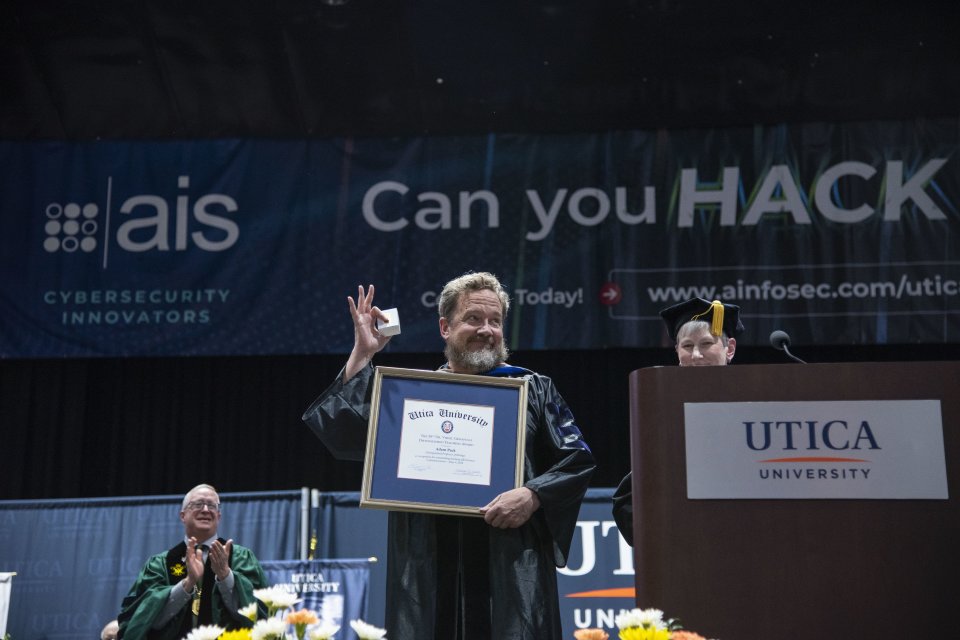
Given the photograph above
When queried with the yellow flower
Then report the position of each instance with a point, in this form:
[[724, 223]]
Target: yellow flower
[[239, 634], [639, 633], [590, 634]]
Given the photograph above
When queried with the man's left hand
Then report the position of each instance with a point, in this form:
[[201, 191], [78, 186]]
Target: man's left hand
[[220, 559], [511, 509]]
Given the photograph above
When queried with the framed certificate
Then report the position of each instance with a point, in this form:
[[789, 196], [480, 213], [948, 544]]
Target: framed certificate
[[442, 442]]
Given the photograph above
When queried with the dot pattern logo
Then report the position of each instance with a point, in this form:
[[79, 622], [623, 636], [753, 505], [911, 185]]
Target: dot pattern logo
[[71, 227]]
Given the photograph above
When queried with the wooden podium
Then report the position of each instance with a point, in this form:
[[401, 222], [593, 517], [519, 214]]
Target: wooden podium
[[792, 569]]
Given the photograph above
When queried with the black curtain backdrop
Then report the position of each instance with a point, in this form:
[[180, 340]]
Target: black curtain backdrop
[[127, 427]]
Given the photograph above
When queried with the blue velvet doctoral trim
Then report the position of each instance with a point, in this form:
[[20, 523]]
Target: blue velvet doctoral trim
[[563, 422], [506, 370]]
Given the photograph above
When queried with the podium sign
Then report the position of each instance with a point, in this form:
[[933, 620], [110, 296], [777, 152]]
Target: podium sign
[[876, 449]]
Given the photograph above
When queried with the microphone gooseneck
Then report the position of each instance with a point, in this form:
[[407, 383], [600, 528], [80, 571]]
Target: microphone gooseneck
[[780, 341]]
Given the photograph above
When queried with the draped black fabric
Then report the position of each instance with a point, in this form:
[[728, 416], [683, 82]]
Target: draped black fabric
[[623, 508]]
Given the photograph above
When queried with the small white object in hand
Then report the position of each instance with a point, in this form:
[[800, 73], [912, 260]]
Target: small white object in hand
[[392, 327]]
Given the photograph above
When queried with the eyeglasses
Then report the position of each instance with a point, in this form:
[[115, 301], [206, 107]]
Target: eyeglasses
[[199, 505]]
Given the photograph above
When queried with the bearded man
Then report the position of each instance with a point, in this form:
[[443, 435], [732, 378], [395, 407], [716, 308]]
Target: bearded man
[[462, 578]]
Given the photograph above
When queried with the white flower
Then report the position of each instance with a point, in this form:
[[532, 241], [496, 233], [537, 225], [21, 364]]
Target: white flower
[[367, 631], [627, 619], [275, 598], [249, 612], [652, 619], [322, 631], [643, 618], [205, 632], [269, 629]]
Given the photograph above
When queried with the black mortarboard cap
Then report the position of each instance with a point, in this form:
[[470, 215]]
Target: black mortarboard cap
[[723, 318]]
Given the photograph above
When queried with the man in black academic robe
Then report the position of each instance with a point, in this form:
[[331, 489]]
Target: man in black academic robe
[[462, 578]]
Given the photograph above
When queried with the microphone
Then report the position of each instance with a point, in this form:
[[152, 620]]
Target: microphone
[[780, 341]]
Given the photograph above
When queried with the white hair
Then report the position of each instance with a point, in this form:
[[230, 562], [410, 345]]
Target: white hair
[[186, 498], [694, 326]]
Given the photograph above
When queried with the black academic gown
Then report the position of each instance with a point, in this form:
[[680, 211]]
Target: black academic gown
[[451, 577], [623, 508]]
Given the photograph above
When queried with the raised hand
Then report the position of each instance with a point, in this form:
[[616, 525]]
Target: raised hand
[[220, 559], [367, 340], [194, 561]]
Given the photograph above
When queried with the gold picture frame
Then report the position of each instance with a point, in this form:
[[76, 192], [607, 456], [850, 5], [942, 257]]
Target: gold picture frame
[[444, 443]]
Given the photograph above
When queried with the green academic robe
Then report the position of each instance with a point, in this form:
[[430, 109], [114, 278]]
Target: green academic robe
[[163, 572]]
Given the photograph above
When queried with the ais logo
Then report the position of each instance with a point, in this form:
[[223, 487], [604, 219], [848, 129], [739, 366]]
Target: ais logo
[[148, 223]]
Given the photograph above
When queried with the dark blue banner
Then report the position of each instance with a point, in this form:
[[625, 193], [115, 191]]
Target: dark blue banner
[[336, 590], [840, 233], [598, 581]]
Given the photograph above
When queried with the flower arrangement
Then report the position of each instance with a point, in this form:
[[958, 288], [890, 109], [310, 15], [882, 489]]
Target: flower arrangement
[[642, 624], [649, 624], [306, 624]]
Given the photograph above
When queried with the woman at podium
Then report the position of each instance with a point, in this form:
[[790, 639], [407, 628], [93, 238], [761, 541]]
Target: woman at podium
[[704, 335]]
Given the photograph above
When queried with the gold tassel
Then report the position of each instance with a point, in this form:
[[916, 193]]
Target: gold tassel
[[716, 327], [197, 592]]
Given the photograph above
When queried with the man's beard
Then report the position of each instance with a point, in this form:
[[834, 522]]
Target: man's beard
[[476, 361]]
